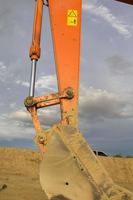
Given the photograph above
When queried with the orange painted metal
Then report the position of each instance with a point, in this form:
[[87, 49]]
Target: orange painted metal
[[50, 97], [65, 17], [45, 101], [34, 103], [38, 128], [35, 119], [46, 104], [35, 47], [126, 1]]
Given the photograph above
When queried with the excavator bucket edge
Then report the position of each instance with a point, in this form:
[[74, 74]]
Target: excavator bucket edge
[[70, 168]]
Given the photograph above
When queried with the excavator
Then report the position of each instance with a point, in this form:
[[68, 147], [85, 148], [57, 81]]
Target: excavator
[[69, 169]]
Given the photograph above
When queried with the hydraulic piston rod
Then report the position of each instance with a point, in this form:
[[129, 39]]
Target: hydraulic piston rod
[[35, 46], [32, 78]]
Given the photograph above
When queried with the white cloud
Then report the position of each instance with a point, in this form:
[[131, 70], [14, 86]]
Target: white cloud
[[23, 83], [7, 73], [12, 129], [2, 65], [47, 81], [44, 82], [105, 13], [12, 105], [119, 65], [3, 69], [20, 115], [47, 117], [98, 105]]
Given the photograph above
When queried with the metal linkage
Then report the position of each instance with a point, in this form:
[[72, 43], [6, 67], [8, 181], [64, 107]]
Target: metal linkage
[[44, 101], [34, 103]]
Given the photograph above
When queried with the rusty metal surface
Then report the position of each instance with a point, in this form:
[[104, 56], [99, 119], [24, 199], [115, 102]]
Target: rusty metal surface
[[34, 103], [49, 100]]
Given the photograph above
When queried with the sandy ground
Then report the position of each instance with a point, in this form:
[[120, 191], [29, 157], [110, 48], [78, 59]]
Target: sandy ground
[[20, 180], [19, 171], [120, 170]]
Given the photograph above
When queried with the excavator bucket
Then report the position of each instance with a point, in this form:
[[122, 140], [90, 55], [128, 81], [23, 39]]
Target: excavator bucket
[[70, 170]]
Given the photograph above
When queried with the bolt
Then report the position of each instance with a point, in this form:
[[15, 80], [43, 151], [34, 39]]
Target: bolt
[[70, 93], [28, 101], [42, 138]]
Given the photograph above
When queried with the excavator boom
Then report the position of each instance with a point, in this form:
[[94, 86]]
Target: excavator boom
[[69, 169], [65, 18]]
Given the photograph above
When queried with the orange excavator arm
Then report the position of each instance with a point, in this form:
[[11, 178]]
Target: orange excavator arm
[[65, 19], [69, 169]]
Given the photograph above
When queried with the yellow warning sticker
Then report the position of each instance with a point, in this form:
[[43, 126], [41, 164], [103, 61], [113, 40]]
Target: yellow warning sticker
[[72, 17]]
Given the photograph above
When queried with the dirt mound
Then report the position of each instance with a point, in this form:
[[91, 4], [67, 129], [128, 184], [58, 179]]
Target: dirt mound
[[19, 179], [120, 170], [19, 172]]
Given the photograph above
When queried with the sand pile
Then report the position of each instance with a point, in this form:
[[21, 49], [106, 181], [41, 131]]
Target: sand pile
[[19, 179]]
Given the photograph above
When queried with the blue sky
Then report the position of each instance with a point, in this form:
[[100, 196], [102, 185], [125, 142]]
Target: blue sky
[[106, 80]]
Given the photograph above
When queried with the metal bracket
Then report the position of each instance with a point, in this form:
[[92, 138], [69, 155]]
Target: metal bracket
[[34, 103], [52, 99]]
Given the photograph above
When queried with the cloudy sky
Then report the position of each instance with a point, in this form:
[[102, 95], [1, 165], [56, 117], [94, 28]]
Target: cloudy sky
[[106, 86]]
